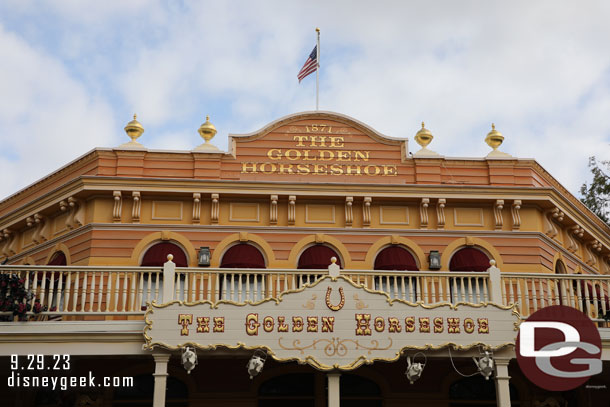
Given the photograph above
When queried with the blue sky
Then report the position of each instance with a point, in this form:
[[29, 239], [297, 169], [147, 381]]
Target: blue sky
[[73, 73]]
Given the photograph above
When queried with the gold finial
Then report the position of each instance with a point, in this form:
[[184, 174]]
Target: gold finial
[[494, 138], [423, 136], [134, 130], [207, 131]]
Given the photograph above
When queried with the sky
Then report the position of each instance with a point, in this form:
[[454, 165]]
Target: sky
[[73, 72]]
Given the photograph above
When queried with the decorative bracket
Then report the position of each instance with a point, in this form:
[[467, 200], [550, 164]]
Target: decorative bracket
[[215, 208], [9, 247], [349, 212], [196, 207], [136, 208], [440, 213], [590, 257], [549, 228], [292, 209], [76, 216], [423, 213], [498, 206], [118, 206], [273, 210], [514, 210], [366, 211]]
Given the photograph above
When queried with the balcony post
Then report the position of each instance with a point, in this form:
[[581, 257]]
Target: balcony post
[[495, 283], [161, 360], [169, 276], [502, 382], [334, 390]]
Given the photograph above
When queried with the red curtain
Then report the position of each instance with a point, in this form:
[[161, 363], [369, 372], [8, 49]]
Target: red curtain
[[156, 256], [58, 259], [243, 255], [469, 259], [395, 258], [317, 257]]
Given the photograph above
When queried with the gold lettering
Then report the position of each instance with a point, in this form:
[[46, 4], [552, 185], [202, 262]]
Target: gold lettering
[[312, 324], [285, 168], [219, 324], [352, 168], [313, 139], [297, 324], [292, 154], [319, 169], [410, 324], [453, 325], [281, 325], [336, 169], [379, 324], [468, 325], [252, 324], [273, 168], [363, 324], [358, 155], [483, 325], [306, 156], [203, 324], [268, 324], [246, 170], [326, 153], [328, 324], [344, 155], [438, 325], [303, 168], [336, 141], [367, 170], [394, 324], [389, 170], [300, 139], [424, 324], [185, 320], [274, 154]]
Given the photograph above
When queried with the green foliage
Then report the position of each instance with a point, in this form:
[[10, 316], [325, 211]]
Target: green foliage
[[597, 194], [16, 299]]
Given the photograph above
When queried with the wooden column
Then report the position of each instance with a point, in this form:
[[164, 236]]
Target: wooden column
[[161, 360], [334, 390], [502, 382]]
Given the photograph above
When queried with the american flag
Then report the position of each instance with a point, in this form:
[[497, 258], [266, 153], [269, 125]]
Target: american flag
[[310, 65]]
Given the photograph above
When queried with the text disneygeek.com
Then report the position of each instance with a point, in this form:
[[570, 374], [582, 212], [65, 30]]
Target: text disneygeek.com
[[17, 380]]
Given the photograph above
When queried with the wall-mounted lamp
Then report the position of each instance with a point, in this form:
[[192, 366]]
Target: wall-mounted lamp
[[189, 359], [204, 256], [485, 364], [256, 363], [435, 260], [415, 369]]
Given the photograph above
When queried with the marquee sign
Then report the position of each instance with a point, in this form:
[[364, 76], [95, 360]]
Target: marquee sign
[[331, 324]]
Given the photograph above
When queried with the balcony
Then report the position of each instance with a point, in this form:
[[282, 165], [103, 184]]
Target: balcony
[[98, 293]]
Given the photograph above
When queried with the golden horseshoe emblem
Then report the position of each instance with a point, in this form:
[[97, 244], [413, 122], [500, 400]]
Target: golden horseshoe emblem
[[337, 307]]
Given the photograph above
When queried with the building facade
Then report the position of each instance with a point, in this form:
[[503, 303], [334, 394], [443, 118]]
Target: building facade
[[90, 243]]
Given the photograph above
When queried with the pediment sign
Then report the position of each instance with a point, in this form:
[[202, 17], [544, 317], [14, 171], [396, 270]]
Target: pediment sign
[[330, 324], [326, 145]]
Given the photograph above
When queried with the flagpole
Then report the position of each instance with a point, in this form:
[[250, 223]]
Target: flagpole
[[318, 69]]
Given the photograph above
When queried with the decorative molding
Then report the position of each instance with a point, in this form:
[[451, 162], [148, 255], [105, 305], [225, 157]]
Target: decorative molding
[[366, 211], [43, 229], [440, 213], [292, 210], [63, 205], [215, 208], [549, 228], [273, 210], [310, 212], [237, 212], [118, 206], [158, 206], [196, 207], [577, 231], [423, 213], [389, 215], [9, 248], [590, 257], [349, 211], [572, 244], [468, 216], [76, 214], [514, 210], [137, 205], [243, 236], [498, 206]]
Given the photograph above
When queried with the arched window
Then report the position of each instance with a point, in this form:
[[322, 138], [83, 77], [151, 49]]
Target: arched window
[[242, 286], [469, 259], [58, 259], [398, 286], [156, 255], [468, 289], [243, 255], [317, 257]]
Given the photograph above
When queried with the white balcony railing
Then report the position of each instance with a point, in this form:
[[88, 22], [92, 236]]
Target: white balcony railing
[[99, 291]]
